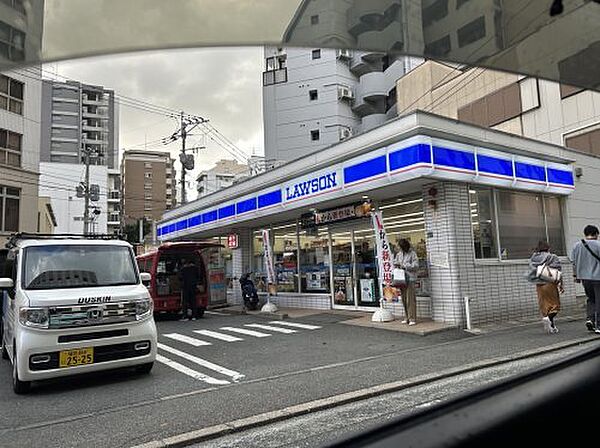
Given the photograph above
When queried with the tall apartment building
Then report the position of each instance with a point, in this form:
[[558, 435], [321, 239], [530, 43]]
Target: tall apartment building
[[149, 185], [77, 118], [20, 100]]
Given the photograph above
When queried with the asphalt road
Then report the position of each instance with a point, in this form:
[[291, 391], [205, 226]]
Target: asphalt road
[[225, 367]]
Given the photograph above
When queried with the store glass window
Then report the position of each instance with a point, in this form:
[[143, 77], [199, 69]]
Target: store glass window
[[285, 256], [483, 222], [314, 260], [517, 220], [341, 255], [403, 217], [366, 266]]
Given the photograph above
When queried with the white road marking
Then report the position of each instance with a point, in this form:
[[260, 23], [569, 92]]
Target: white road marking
[[271, 328], [216, 313], [216, 335], [245, 331], [202, 362], [295, 325], [182, 338], [189, 372]]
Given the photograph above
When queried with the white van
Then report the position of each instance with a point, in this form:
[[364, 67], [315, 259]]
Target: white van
[[73, 305]]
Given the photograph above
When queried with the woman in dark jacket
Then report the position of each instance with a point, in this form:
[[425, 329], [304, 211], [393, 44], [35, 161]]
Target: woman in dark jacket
[[547, 292]]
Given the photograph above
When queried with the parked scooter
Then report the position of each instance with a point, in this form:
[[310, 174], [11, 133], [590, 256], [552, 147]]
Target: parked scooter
[[249, 292]]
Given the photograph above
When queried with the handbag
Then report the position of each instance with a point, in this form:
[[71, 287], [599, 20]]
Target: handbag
[[399, 277], [548, 274]]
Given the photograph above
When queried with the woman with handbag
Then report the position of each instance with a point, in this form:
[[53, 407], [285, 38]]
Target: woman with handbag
[[406, 260], [545, 272]]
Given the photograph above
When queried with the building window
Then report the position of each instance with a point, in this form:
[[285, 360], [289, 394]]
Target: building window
[[12, 43], [148, 175], [471, 32], [314, 261], [316, 54], [285, 257], [9, 209], [508, 224], [16, 4], [11, 94], [459, 3], [314, 20], [270, 66], [588, 142], [438, 48], [313, 94], [434, 12], [315, 135], [10, 148]]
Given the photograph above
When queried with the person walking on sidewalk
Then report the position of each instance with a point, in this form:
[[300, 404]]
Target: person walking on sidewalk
[[407, 259], [189, 282], [547, 291], [586, 268]]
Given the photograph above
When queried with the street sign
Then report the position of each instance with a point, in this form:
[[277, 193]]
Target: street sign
[[233, 241]]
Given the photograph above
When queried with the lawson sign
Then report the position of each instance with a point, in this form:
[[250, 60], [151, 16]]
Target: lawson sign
[[312, 185]]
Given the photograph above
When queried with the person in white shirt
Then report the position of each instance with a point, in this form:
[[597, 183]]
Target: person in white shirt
[[407, 259]]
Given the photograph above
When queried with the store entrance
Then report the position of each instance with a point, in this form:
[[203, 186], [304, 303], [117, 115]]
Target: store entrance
[[354, 267]]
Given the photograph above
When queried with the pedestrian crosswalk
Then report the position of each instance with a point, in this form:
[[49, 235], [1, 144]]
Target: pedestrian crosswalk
[[174, 358]]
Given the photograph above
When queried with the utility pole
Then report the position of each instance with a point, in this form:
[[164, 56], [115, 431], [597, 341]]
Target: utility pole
[[183, 137], [86, 207], [187, 123]]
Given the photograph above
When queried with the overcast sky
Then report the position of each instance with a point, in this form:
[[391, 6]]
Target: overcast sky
[[223, 85]]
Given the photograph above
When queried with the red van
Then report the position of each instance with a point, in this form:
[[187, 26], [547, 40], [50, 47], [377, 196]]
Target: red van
[[164, 264]]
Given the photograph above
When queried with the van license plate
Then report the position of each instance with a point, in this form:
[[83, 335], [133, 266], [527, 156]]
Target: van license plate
[[77, 357]]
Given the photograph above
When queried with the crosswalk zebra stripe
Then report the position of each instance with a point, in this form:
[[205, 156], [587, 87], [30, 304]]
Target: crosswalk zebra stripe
[[216, 313], [202, 362], [295, 325], [271, 328], [217, 335], [188, 340], [190, 372], [247, 332]]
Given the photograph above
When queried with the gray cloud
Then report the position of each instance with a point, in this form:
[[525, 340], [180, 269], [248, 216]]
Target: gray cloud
[[222, 85]]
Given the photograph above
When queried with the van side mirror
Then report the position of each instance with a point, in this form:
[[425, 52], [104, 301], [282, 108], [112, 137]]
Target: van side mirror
[[145, 277], [6, 283]]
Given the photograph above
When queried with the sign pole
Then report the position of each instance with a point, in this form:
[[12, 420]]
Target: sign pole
[[268, 307], [385, 266]]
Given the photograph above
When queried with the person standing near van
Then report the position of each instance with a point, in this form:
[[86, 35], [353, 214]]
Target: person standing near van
[[188, 275], [547, 291], [586, 268], [407, 259]]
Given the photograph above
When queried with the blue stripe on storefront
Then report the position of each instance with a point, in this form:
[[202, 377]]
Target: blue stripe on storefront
[[159, 231], [560, 177], [528, 171], [181, 225], [246, 206], [172, 228], [494, 165], [209, 216], [366, 169], [195, 220], [227, 211], [412, 155], [453, 158], [267, 199]]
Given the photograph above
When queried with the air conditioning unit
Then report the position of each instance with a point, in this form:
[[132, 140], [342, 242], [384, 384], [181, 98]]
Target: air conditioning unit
[[345, 93], [344, 53], [345, 133]]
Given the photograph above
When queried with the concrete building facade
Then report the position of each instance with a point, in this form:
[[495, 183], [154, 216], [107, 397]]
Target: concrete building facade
[[224, 174], [20, 103], [149, 185]]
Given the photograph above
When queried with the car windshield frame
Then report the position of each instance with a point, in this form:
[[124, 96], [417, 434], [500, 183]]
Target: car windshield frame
[[26, 282]]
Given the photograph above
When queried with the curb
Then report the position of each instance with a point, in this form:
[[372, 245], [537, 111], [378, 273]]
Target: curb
[[213, 432]]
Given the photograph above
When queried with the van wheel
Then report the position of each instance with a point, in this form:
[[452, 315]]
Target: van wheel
[[19, 387], [144, 368]]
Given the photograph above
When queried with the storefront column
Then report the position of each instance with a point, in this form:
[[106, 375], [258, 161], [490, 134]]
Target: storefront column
[[241, 262], [448, 231]]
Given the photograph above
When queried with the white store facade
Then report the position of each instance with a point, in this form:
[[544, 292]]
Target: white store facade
[[472, 201]]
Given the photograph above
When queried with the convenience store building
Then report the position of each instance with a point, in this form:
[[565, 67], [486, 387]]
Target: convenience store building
[[472, 201]]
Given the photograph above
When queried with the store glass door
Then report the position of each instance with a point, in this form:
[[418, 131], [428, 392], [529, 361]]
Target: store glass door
[[365, 260], [342, 269]]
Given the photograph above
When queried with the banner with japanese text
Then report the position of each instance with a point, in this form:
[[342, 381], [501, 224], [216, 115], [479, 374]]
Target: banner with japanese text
[[385, 257]]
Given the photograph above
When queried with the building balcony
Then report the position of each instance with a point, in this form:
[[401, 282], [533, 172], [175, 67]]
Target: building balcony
[[114, 196], [96, 114], [112, 222], [372, 121], [372, 86], [94, 141], [366, 14], [86, 127]]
